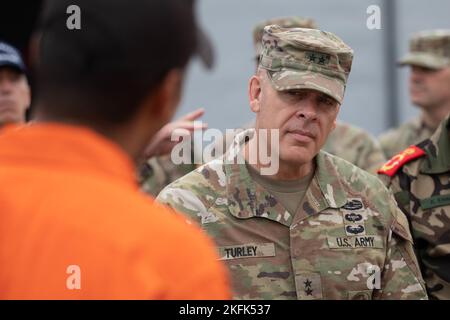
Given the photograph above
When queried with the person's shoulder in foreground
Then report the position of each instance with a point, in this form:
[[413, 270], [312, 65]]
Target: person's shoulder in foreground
[[74, 224], [79, 213]]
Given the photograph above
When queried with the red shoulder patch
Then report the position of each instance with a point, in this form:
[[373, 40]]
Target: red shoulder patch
[[397, 161]]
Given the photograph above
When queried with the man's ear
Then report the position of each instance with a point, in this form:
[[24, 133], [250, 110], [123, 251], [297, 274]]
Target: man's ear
[[254, 93], [334, 125], [335, 119]]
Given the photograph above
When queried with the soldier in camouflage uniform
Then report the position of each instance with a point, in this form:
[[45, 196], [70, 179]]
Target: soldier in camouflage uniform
[[419, 178], [346, 141], [337, 233], [429, 83]]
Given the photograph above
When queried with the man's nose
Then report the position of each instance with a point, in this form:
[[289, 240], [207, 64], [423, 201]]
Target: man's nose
[[307, 110], [416, 75]]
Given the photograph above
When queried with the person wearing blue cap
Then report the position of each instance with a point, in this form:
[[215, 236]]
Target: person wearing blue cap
[[15, 94]]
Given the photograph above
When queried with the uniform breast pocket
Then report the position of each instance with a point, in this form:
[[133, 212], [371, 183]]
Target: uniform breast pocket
[[352, 266], [343, 250], [349, 257]]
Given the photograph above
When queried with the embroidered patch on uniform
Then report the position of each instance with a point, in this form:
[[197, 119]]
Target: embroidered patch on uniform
[[317, 58], [353, 217], [435, 201], [396, 162], [355, 230], [353, 204], [355, 242], [250, 250], [309, 286]]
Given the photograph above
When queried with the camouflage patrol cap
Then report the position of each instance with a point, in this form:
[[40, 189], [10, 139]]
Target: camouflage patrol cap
[[430, 49], [285, 22], [299, 58]]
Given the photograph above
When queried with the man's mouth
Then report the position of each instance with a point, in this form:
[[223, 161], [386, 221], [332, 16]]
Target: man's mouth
[[417, 88], [301, 135]]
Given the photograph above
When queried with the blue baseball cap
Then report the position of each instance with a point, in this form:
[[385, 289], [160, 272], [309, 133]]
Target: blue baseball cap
[[10, 57]]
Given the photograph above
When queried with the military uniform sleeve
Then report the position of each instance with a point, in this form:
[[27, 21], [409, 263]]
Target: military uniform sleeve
[[188, 195], [401, 277]]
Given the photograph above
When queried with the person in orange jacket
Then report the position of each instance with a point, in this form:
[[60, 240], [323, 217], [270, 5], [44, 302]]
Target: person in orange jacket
[[73, 222]]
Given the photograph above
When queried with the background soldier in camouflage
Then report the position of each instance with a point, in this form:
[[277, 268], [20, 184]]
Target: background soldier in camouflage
[[320, 227], [429, 85], [419, 178]]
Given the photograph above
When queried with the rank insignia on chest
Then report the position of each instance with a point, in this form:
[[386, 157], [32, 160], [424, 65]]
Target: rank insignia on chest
[[309, 286]]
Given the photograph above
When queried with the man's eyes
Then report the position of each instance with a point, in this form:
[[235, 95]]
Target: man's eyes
[[326, 101], [425, 70], [302, 95], [296, 93]]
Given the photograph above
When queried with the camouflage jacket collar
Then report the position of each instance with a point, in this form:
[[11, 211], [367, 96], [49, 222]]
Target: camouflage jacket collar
[[248, 199], [420, 125], [438, 150]]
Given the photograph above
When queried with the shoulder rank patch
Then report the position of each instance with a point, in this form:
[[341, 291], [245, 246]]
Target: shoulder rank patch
[[397, 161]]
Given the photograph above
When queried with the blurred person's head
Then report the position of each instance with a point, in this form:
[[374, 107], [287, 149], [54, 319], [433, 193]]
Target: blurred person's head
[[122, 73], [430, 88], [15, 92], [284, 22], [298, 88], [429, 81]]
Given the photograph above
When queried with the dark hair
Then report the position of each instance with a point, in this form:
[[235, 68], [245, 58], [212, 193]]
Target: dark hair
[[121, 53]]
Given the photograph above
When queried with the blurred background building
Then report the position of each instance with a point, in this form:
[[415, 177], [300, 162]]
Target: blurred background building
[[377, 92]]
